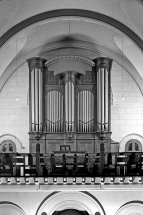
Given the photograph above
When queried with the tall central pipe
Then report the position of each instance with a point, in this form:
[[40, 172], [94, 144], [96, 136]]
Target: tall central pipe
[[69, 80]]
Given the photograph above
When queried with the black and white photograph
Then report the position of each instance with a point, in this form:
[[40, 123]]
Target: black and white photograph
[[71, 107]]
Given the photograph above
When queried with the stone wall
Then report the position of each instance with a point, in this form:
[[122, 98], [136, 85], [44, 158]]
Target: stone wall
[[14, 111], [127, 114]]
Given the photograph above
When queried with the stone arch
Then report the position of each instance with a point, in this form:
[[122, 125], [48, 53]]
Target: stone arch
[[79, 201], [71, 12], [131, 208], [133, 145], [70, 212], [129, 137], [14, 139], [66, 12], [10, 208], [7, 146]]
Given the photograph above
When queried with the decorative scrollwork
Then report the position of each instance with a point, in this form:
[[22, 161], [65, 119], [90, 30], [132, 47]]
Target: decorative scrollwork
[[51, 79], [86, 79], [78, 58]]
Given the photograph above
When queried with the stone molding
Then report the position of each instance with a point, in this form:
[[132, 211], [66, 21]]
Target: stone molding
[[70, 200], [73, 58], [131, 208], [128, 137], [14, 139]]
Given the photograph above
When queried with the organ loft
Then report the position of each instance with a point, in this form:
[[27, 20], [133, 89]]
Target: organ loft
[[70, 104]]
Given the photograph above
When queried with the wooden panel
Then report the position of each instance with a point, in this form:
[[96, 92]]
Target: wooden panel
[[53, 146], [33, 146], [85, 145], [71, 143]]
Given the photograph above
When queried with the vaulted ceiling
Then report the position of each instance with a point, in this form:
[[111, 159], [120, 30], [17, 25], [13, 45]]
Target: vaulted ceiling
[[110, 28]]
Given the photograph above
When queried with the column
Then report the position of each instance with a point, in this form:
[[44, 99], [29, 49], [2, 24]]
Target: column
[[103, 68], [69, 80], [36, 65]]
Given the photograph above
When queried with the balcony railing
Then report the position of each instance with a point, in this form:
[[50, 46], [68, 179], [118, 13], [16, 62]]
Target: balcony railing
[[71, 164]]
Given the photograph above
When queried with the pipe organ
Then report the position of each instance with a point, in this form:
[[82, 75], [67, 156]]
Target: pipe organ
[[69, 79], [85, 113], [103, 67], [36, 93], [54, 111], [70, 105]]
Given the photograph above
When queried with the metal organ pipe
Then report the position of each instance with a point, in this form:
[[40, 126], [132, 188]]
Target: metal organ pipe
[[40, 99], [69, 78], [102, 98], [36, 105], [36, 65], [103, 68], [106, 101], [54, 111], [85, 111], [32, 90]]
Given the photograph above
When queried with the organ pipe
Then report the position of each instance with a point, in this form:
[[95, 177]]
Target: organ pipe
[[103, 67], [36, 66], [85, 111], [69, 79], [54, 111]]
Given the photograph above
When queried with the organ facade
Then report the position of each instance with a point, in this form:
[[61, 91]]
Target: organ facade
[[70, 107]]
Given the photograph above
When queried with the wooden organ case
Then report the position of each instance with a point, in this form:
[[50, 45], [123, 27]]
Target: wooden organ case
[[70, 104]]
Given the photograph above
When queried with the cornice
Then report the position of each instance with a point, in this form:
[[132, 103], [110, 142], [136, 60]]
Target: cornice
[[71, 183]]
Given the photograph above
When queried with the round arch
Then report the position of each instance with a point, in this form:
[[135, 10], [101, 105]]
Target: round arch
[[131, 208], [79, 201], [124, 140], [14, 139], [70, 212], [10, 208], [101, 51], [133, 145], [72, 12]]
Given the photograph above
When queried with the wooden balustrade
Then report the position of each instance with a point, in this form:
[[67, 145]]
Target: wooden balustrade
[[71, 164]]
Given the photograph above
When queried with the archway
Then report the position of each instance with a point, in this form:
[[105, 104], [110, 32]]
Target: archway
[[79, 202], [10, 208], [8, 146], [128, 139], [133, 145], [131, 208]]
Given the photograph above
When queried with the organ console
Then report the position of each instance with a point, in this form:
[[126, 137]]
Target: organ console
[[70, 107]]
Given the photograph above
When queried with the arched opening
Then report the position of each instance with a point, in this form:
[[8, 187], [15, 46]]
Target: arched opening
[[70, 212], [131, 208], [71, 203], [9, 208], [133, 145], [8, 146]]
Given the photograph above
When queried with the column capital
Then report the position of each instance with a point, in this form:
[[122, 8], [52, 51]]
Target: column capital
[[103, 62], [36, 62]]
